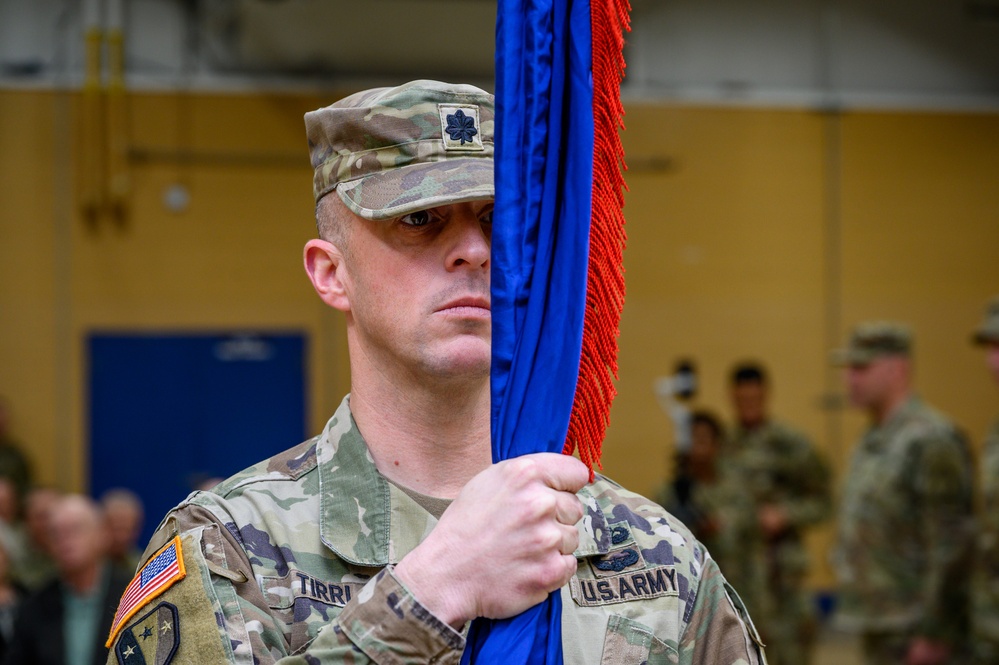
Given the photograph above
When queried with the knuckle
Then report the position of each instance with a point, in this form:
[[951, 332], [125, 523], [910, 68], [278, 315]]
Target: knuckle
[[524, 468]]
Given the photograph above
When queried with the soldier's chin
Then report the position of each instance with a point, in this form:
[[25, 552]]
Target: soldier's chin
[[465, 359]]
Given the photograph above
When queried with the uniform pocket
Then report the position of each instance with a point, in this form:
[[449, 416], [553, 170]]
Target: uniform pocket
[[628, 642]]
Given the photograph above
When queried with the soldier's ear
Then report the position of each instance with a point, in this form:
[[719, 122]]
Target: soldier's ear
[[325, 267]]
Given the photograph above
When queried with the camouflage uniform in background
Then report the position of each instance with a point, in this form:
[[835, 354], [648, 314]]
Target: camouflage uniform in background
[[291, 561], [776, 465], [720, 516], [985, 589], [902, 552]]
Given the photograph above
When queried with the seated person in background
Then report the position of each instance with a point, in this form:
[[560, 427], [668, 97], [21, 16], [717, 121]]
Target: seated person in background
[[13, 535], [32, 567], [13, 462], [11, 595], [67, 621], [123, 514]]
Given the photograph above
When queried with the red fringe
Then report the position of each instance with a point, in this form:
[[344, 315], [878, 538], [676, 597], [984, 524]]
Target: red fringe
[[598, 369]]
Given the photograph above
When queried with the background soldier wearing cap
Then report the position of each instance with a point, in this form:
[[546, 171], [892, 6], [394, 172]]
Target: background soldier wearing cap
[[381, 538], [904, 521], [787, 486], [985, 589]]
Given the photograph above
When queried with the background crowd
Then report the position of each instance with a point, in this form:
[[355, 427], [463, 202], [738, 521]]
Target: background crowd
[[917, 536], [65, 559], [917, 522]]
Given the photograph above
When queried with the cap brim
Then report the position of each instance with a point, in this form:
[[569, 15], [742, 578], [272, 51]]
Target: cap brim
[[401, 191], [849, 357]]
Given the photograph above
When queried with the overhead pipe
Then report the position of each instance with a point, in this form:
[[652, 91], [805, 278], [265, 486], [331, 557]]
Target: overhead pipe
[[118, 181], [91, 175]]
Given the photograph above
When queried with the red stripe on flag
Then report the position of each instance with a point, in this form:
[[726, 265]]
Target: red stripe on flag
[[137, 594], [131, 598]]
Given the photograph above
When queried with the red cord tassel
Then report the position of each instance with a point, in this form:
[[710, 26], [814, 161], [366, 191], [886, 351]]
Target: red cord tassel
[[595, 389]]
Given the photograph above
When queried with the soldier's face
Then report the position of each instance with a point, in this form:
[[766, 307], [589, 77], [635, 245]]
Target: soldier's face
[[77, 537], [992, 358], [749, 399], [418, 289], [869, 385]]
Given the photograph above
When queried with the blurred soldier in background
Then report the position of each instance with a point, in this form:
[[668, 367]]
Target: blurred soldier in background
[[788, 491], [985, 590], [716, 512], [904, 526]]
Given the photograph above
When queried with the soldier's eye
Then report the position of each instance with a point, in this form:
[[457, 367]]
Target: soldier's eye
[[418, 218], [486, 217]]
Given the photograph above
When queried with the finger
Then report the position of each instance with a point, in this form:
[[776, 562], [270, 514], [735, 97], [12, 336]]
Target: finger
[[562, 472], [570, 540], [568, 508], [570, 567]]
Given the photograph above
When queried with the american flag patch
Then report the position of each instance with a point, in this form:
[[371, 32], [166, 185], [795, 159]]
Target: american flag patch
[[165, 568]]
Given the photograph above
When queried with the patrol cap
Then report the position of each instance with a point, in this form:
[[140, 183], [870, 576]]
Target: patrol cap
[[392, 151], [988, 331], [872, 340]]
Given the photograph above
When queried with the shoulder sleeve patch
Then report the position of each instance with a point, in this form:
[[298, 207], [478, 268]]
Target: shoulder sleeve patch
[[160, 572], [152, 639]]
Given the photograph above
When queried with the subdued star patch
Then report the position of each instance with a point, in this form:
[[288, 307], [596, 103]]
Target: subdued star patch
[[152, 639]]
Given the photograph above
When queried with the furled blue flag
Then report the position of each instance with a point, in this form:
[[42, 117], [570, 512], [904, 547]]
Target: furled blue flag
[[540, 264]]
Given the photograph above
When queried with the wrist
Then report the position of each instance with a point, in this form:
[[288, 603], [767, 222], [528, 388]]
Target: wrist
[[440, 595]]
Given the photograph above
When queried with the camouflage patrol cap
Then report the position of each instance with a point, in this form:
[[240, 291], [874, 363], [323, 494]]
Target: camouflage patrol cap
[[392, 151], [988, 331], [872, 340]]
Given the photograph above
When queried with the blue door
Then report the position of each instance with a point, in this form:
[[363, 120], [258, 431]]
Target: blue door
[[169, 410]]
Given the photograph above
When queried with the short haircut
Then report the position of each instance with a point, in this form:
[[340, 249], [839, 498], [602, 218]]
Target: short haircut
[[123, 497], [332, 220], [710, 420], [748, 372]]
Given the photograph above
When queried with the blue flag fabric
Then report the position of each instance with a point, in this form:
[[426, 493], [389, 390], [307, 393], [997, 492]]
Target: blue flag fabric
[[541, 226]]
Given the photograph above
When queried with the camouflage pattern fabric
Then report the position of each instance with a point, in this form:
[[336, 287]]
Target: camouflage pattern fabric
[[777, 466], [721, 516], [904, 530], [985, 589], [441, 133], [291, 561]]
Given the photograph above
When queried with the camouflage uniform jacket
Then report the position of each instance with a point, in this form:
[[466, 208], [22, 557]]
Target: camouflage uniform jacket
[[985, 594], [780, 466], [291, 561], [776, 465], [904, 527]]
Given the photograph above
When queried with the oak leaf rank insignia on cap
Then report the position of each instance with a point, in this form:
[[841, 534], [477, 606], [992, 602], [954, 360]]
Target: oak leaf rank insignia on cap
[[459, 126], [388, 152]]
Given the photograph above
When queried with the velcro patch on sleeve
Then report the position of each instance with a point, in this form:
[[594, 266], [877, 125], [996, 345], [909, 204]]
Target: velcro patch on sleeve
[[152, 639], [634, 585], [159, 574]]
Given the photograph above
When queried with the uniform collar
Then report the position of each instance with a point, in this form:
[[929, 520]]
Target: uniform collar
[[367, 521], [364, 519]]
